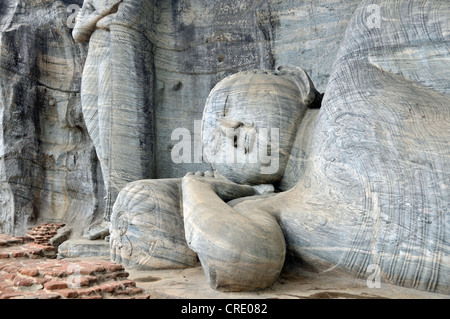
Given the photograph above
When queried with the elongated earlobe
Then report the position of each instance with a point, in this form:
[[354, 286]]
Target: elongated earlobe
[[309, 95]]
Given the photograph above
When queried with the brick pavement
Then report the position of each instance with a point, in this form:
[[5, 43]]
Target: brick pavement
[[29, 269]]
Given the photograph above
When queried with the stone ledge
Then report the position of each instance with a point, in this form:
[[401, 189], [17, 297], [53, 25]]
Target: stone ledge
[[82, 247], [27, 275], [191, 284]]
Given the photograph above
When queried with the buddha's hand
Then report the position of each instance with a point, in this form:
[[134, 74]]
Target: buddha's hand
[[108, 9], [224, 188]]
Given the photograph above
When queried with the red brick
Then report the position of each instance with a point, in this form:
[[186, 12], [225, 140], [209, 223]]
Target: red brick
[[111, 287], [15, 241], [135, 291], [53, 285], [42, 280], [11, 269], [58, 272], [26, 239], [114, 267], [116, 285], [107, 288], [128, 283], [88, 291], [4, 255], [87, 280], [78, 281], [10, 295], [88, 270], [17, 254], [116, 275], [23, 282], [99, 268], [68, 293], [32, 272], [35, 251], [49, 248], [10, 276]]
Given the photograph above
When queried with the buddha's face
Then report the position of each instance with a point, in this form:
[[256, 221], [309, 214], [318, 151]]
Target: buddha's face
[[249, 124]]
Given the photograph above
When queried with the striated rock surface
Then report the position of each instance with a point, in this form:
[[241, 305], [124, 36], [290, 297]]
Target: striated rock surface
[[195, 44], [369, 194], [366, 182], [374, 196], [47, 165], [117, 90], [198, 43], [147, 227], [49, 169]]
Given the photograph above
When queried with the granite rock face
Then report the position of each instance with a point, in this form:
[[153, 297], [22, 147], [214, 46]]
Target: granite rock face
[[365, 183], [375, 196], [48, 171], [367, 179], [117, 90], [198, 43], [147, 226], [49, 167]]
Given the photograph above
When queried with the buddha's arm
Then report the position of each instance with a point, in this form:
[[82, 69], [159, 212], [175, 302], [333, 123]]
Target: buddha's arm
[[238, 251], [87, 19]]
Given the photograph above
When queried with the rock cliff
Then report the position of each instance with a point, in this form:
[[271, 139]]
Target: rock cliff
[[48, 167], [48, 170]]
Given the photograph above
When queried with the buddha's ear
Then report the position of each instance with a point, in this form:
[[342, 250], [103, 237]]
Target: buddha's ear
[[310, 97]]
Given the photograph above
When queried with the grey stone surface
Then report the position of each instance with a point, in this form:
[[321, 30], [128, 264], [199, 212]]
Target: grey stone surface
[[190, 284], [198, 43], [48, 171], [190, 46], [252, 116], [83, 247], [364, 180], [147, 229], [375, 191], [370, 192], [117, 90]]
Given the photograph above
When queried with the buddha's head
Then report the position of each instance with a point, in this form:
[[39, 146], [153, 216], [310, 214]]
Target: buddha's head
[[250, 122]]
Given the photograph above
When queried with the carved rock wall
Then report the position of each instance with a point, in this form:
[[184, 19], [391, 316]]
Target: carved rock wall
[[47, 165], [374, 195], [48, 169], [198, 43]]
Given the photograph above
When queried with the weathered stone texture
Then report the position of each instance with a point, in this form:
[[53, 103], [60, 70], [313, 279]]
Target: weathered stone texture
[[198, 43], [48, 171], [369, 195], [374, 194], [49, 168], [367, 178]]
